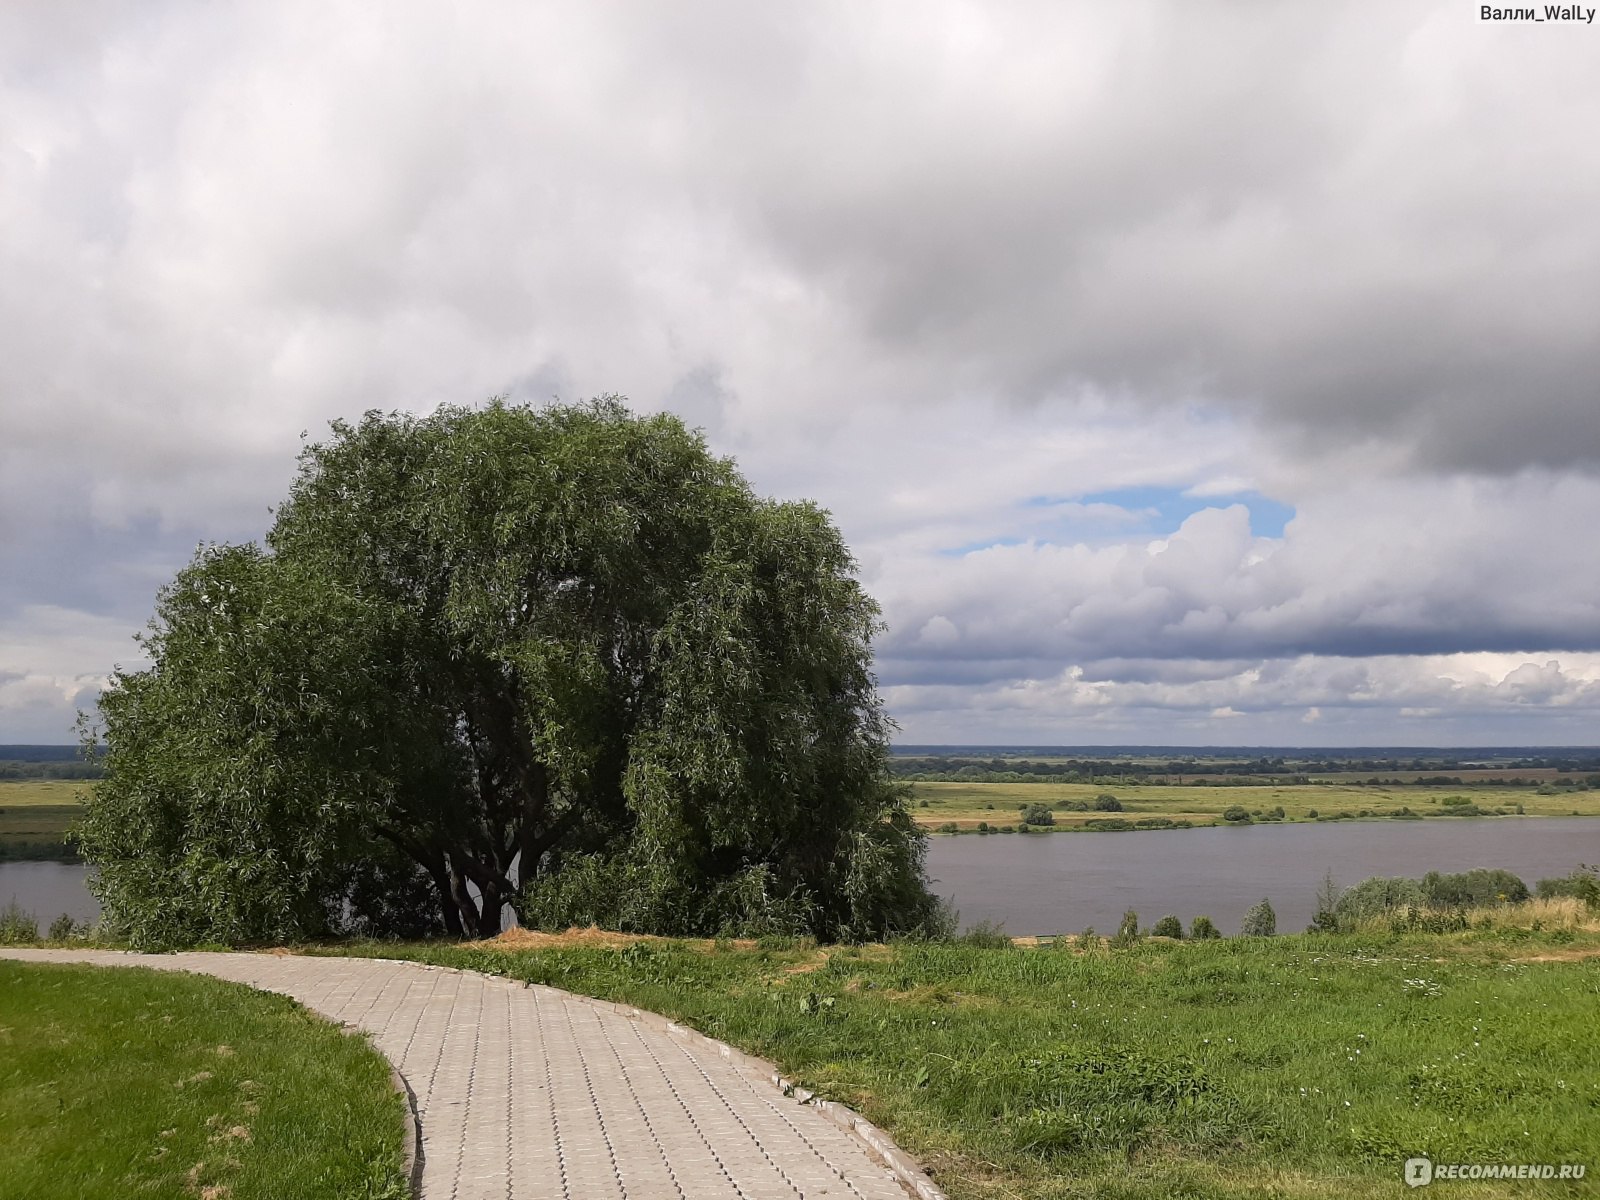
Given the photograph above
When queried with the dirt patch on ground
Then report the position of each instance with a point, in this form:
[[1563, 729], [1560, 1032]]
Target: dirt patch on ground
[[574, 938], [1575, 954], [593, 936], [807, 965]]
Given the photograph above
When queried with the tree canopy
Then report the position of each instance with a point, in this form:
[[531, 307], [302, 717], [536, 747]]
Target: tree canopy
[[562, 659]]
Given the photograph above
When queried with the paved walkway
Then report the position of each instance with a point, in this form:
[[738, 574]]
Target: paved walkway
[[526, 1092]]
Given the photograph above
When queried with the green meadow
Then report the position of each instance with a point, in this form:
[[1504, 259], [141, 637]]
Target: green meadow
[[935, 804], [35, 815], [119, 1082]]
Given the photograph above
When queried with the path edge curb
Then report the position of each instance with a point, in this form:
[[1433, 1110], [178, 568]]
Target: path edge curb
[[411, 1144], [877, 1144]]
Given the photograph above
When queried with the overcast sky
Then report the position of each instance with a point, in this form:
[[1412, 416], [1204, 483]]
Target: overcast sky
[[1179, 373]]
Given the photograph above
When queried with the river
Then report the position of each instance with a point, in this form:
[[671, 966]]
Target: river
[[1061, 882]]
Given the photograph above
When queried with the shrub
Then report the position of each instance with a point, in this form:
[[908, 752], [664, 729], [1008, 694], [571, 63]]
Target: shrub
[[1582, 884], [1237, 813], [1106, 802], [983, 827], [1377, 896], [1202, 929], [1127, 929], [62, 928], [949, 827], [1473, 889], [17, 924], [1038, 814], [1108, 823], [1326, 919], [986, 935], [1312, 813], [1168, 926], [1260, 921], [1088, 939]]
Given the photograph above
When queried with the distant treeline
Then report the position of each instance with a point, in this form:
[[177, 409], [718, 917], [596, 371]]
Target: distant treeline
[[10, 771], [46, 762], [1400, 758], [940, 768], [40, 753]]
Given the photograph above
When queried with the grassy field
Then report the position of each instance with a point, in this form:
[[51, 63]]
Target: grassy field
[[118, 1082], [966, 804], [1305, 1066], [34, 816], [38, 812]]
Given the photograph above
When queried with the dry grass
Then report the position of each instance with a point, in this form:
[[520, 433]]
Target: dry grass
[[1563, 913], [594, 937]]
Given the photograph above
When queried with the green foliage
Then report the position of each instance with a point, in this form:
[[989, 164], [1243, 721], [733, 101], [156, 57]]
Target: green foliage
[[1582, 884], [568, 639], [1109, 823], [63, 928], [1416, 920], [986, 935], [17, 925], [1127, 930], [1203, 929], [1376, 897], [1473, 889], [1106, 802], [1237, 814], [1168, 926], [1038, 814], [1260, 921], [1326, 918]]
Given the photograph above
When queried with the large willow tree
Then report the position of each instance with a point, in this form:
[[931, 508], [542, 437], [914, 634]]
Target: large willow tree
[[560, 659]]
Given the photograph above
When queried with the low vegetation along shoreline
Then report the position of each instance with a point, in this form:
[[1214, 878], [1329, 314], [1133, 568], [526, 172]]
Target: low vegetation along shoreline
[[1138, 1066]]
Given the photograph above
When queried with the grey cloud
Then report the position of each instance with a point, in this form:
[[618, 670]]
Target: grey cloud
[[1309, 700], [919, 266], [1400, 568]]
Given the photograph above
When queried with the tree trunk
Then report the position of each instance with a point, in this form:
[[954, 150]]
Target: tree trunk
[[465, 905], [489, 916]]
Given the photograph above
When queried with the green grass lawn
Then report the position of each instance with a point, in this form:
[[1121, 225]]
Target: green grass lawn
[[122, 1082], [1286, 1067], [965, 804]]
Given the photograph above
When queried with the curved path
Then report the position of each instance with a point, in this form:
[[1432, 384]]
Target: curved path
[[526, 1091]]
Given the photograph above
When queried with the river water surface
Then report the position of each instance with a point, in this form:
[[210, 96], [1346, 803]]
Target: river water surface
[[1061, 882]]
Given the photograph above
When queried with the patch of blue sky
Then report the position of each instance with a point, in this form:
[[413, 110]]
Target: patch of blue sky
[[1120, 512], [1164, 509]]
